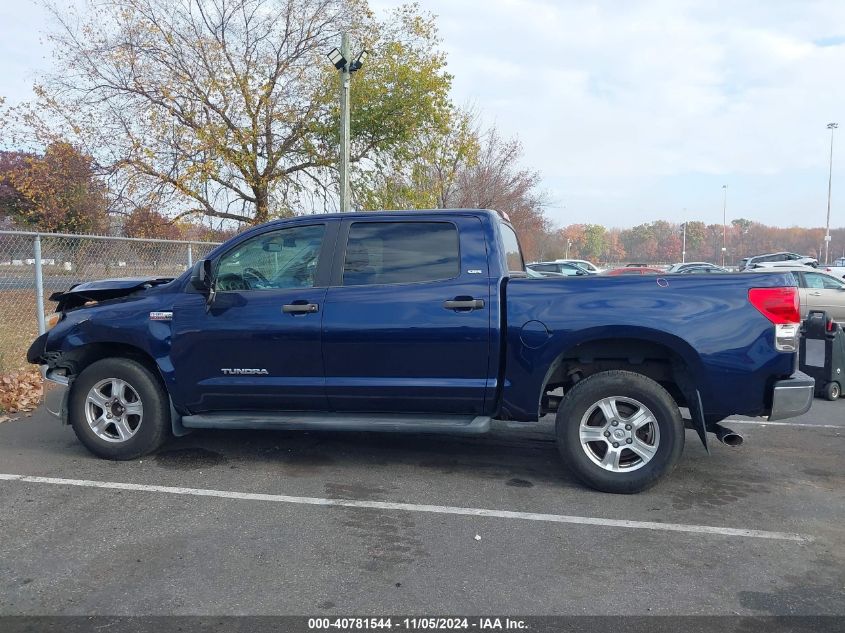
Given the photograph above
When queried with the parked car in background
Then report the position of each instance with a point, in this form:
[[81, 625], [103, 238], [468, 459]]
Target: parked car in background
[[819, 291], [837, 269], [567, 269], [777, 259], [701, 269], [635, 270], [590, 267], [676, 268]]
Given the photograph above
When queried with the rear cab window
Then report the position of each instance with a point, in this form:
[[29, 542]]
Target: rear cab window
[[513, 253]]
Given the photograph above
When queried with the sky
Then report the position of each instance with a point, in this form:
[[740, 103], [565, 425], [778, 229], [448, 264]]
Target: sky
[[631, 111]]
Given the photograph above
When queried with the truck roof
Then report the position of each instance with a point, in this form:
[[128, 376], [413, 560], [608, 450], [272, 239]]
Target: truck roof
[[394, 213]]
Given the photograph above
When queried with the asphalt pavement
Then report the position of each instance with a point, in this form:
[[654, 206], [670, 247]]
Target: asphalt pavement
[[260, 523]]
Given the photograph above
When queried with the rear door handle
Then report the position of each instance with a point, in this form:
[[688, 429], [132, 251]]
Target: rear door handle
[[815, 294], [463, 304], [300, 308]]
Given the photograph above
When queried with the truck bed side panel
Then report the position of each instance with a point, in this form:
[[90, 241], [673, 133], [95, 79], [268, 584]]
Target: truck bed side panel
[[727, 345]]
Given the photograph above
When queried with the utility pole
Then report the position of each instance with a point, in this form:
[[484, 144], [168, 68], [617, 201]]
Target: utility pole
[[831, 127], [724, 224], [340, 59], [568, 244], [684, 247], [345, 80]]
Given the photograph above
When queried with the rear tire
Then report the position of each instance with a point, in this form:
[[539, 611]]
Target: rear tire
[[832, 391], [619, 432], [119, 409]]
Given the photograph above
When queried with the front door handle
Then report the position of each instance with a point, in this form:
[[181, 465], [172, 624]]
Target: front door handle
[[464, 304], [300, 308]]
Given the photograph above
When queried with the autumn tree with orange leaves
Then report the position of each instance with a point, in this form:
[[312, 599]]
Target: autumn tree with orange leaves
[[57, 191]]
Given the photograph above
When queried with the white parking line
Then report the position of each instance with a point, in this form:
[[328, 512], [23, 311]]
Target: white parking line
[[413, 507], [799, 424]]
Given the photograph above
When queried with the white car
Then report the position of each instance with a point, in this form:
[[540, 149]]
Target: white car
[[837, 269], [771, 260], [583, 263]]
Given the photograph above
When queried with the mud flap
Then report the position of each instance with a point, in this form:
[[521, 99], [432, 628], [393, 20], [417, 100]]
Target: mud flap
[[696, 411], [176, 425]]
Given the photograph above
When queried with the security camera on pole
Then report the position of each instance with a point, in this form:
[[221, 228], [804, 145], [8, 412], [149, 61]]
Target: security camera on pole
[[340, 59]]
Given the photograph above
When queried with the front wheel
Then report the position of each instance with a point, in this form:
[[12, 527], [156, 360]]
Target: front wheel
[[118, 409], [832, 391], [619, 431]]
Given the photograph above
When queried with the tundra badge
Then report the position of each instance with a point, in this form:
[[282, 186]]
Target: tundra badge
[[246, 372], [161, 316]]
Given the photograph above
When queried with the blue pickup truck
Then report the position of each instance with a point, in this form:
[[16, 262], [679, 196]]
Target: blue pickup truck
[[425, 322]]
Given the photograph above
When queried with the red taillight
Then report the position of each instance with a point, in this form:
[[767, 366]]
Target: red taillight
[[778, 305]]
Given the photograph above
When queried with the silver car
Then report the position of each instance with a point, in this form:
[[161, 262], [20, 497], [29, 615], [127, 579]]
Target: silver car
[[819, 291]]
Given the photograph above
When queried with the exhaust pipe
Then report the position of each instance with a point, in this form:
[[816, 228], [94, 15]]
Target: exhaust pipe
[[727, 436]]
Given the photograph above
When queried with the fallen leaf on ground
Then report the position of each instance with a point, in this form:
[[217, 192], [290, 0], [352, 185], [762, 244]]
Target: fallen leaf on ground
[[20, 391]]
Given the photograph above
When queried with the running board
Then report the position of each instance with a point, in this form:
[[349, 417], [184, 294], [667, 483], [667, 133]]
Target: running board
[[382, 422]]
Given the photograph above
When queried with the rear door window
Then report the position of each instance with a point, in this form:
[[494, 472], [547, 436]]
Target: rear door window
[[400, 252], [814, 280]]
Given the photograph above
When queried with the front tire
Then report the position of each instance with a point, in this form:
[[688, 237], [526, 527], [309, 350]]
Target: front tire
[[619, 432], [832, 391], [119, 410]]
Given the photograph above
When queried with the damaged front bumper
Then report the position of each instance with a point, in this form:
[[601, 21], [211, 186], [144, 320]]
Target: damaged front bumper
[[56, 383], [56, 389]]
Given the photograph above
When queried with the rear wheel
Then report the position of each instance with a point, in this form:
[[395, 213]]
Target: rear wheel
[[619, 431], [118, 409], [832, 391]]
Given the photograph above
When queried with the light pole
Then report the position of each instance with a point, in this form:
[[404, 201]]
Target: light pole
[[568, 244], [831, 127], [684, 247], [340, 59], [724, 224]]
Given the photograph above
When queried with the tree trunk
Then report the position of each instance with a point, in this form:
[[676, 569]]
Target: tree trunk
[[262, 211]]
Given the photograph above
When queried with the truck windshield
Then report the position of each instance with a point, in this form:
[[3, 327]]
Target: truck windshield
[[513, 254]]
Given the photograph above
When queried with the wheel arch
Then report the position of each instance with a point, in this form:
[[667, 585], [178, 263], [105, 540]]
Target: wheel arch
[[666, 358], [74, 361], [77, 359]]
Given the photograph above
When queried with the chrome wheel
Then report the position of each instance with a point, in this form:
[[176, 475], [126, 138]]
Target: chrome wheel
[[114, 410], [619, 434]]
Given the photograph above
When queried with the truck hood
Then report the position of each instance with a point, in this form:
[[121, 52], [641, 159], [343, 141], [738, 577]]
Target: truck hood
[[80, 294]]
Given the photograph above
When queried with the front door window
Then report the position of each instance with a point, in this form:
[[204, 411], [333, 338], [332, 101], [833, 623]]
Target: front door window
[[277, 260]]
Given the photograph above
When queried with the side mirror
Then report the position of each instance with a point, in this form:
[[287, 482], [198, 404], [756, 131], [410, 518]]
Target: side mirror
[[201, 276]]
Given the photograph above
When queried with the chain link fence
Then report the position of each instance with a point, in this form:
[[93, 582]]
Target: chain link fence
[[35, 265]]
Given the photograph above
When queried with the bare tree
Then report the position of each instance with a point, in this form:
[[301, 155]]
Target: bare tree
[[225, 108]]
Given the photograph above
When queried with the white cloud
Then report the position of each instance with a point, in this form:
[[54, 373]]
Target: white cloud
[[631, 110], [621, 104]]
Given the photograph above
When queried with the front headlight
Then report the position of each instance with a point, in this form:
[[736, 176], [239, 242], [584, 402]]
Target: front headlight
[[52, 320]]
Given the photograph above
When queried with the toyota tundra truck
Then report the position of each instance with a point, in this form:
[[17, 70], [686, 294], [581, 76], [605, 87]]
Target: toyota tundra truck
[[422, 322]]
